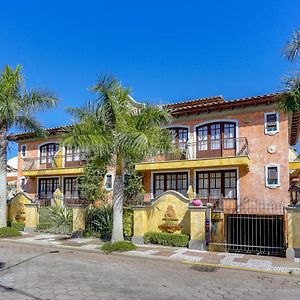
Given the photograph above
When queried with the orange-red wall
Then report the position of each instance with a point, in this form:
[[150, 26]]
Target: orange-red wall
[[250, 125]]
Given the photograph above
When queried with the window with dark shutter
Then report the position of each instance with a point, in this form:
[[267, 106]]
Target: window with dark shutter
[[23, 151], [271, 123], [272, 175]]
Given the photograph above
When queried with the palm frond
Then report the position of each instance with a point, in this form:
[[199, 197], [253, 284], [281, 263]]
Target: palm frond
[[292, 49], [29, 123], [38, 100], [290, 99]]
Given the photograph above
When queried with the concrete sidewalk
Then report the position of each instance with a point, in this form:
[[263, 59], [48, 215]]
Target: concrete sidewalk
[[278, 265]]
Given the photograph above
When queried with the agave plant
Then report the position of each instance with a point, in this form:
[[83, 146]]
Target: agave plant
[[61, 219], [100, 220]]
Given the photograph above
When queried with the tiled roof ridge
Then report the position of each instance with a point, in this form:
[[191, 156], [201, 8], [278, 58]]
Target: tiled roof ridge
[[200, 104], [253, 97], [56, 128], [219, 97]]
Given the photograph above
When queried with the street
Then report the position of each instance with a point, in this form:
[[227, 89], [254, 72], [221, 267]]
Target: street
[[38, 272]]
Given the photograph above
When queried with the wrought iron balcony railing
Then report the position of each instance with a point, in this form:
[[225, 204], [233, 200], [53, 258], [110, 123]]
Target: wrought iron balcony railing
[[53, 162], [229, 147], [65, 201]]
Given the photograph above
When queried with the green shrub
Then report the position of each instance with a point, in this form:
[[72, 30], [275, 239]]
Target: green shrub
[[55, 220], [118, 247], [44, 214], [44, 226], [18, 225], [128, 222], [100, 221], [86, 234], [9, 232], [166, 239]]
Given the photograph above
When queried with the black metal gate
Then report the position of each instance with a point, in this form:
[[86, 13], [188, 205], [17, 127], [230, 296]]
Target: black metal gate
[[255, 230]]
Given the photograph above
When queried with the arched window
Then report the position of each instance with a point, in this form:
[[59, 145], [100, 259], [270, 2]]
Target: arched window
[[179, 136], [47, 152], [216, 139]]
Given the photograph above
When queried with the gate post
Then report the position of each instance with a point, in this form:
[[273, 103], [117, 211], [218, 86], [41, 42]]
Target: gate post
[[32, 216], [293, 233], [139, 224], [78, 218], [197, 227]]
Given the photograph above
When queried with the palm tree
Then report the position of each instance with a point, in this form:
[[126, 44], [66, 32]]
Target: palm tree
[[289, 101], [290, 98], [116, 130], [17, 106], [292, 49]]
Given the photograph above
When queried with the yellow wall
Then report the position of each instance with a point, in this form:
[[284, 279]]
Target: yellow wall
[[17, 205], [148, 219], [293, 227], [156, 213]]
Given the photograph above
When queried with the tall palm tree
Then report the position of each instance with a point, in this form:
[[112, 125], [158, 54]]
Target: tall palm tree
[[17, 108], [116, 130]]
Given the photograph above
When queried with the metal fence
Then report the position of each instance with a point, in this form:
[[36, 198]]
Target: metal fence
[[254, 228]]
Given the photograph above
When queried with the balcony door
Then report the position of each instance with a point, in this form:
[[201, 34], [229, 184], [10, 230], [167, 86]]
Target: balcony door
[[74, 157], [47, 153], [179, 141], [216, 140], [179, 137]]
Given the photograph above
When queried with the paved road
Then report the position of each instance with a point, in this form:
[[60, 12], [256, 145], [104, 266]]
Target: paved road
[[35, 273]]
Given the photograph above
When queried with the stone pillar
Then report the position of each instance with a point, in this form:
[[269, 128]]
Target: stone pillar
[[78, 218], [139, 224], [293, 232], [197, 227], [32, 216]]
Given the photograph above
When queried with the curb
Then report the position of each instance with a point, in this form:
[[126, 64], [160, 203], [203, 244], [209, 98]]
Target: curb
[[162, 258], [290, 273]]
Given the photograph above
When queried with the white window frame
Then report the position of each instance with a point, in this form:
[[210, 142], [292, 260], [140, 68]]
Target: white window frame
[[23, 156], [112, 181], [277, 122], [272, 186]]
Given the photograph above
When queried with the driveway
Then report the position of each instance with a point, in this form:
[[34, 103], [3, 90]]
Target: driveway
[[38, 272]]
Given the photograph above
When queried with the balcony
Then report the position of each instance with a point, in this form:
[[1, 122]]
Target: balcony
[[53, 165], [218, 153]]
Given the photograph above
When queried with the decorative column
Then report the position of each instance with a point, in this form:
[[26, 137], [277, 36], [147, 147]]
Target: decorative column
[[139, 224], [190, 192], [293, 232], [198, 227], [78, 218], [32, 216]]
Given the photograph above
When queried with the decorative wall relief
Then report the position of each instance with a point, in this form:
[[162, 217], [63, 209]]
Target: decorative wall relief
[[170, 221]]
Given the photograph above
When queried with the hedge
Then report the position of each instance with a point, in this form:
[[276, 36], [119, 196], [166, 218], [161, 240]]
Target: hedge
[[6, 232], [128, 222], [166, 239]]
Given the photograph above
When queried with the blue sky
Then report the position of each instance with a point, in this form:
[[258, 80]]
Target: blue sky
[[165, 51]]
